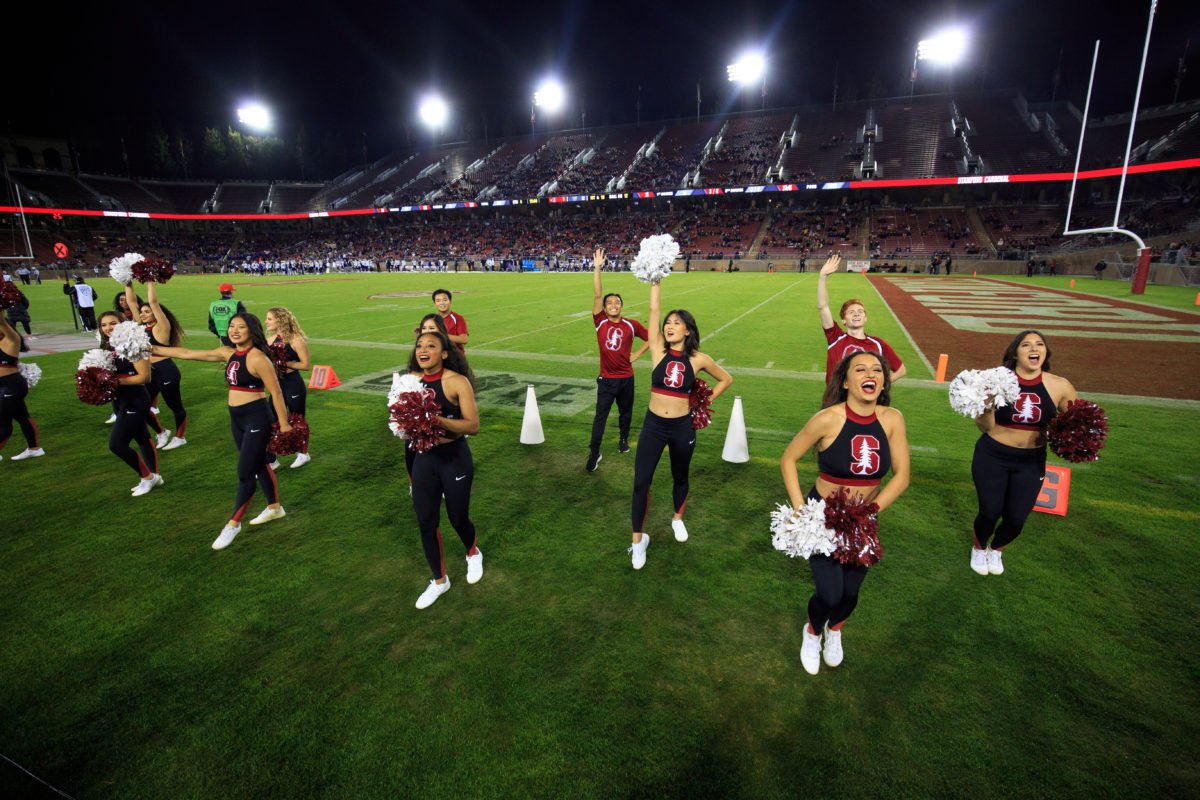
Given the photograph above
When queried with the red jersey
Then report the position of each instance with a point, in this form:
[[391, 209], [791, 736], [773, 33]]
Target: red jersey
[[456, 326], [841, 344], [616, 344]]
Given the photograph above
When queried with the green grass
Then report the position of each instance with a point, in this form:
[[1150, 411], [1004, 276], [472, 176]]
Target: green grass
[[138, 662]]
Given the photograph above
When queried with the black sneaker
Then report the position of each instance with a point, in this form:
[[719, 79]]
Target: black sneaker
[[593, 461], [623, 447]]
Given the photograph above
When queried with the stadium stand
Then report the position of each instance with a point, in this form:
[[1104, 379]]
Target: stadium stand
[[292, 198], [129, 195], [184, 198], [824, 146], [814, 229], [676, 153], [240, 198], [59, 188]]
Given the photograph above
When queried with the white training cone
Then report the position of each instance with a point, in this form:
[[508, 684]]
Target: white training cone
[[737, 449], [531, 426]]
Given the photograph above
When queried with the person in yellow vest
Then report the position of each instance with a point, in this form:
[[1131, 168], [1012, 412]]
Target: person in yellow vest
[[223, 310]]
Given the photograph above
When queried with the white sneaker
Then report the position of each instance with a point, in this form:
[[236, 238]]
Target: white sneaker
[[163, 437], [177, 441], [979, 560], [29, 452], [432, 592], [111, 420], [639, 552], [226, 537], [301, 460], [833, 647], [994, 565], [154, 410], [269, 514], [475, 566], [680, 530], [146, 484], [273, 464], [810, 651]]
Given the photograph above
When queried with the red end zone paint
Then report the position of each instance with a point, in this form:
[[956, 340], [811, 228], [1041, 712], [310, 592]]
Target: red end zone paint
[[1100, 344]]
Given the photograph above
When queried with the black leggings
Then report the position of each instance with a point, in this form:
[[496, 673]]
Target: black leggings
[[164, 380], [657, 433], [295, 393], [446, 470], [132, 405], [837, 586], [608, 390], [251, 426], [1007, 483], [13, 391]]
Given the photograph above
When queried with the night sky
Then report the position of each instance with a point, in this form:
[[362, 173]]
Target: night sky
[[346, 70]]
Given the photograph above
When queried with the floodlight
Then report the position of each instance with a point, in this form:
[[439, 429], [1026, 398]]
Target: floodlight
[[255, 115], [748, 69], [947, 47], [550, 95], [433, 111]]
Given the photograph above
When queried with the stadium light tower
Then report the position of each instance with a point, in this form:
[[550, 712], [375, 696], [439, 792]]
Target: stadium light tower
[[749, 70], [255, 116], [549, 95], [947, 47]]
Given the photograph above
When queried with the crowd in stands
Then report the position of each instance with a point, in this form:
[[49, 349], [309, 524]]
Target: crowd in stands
[[814, 229], [743, 159]]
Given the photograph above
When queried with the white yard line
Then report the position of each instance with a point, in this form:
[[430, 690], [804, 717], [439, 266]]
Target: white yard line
[[751, 311]]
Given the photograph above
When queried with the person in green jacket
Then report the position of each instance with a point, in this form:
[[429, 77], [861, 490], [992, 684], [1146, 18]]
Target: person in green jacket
[[223, 310]]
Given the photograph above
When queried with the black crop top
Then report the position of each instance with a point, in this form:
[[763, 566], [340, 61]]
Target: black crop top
[[153, 341], [8, 361], [859, 456], [434, 383], [238, 376], [1031, 411], [673, 376]]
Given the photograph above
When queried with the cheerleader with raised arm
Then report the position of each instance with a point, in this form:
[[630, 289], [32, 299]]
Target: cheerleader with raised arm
[[283, 331], [250, 375], [131, 405], [676, 359], [13, 390], [164, 329], [858, 437], [446, 470]]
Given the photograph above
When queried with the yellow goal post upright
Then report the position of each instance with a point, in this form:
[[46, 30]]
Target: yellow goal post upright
[[1142, 271]]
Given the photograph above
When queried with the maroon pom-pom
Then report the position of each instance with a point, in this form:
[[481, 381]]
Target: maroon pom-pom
[[96, 386], [293, 441], [277, 350], [153, 270], [855, 529], [10, 295], [416, 413], [700, 400], [1077, 434]]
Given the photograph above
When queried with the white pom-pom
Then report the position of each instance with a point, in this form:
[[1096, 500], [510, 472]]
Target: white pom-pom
[[31, 372], [401, 384], [120, 269], [655, 257], [130, 341], [97, 358], [976, 391], [802, 533]]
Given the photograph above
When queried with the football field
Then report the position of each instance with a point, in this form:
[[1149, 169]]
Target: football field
[[138, 662]]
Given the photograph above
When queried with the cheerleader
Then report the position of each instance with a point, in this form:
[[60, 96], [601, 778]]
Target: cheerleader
[[13, 390], [164, 329], [132, 405], [282, 327], [124, 308], [446, 470], [858, 436], [1010, 457], [250, 375], [675, 358]]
